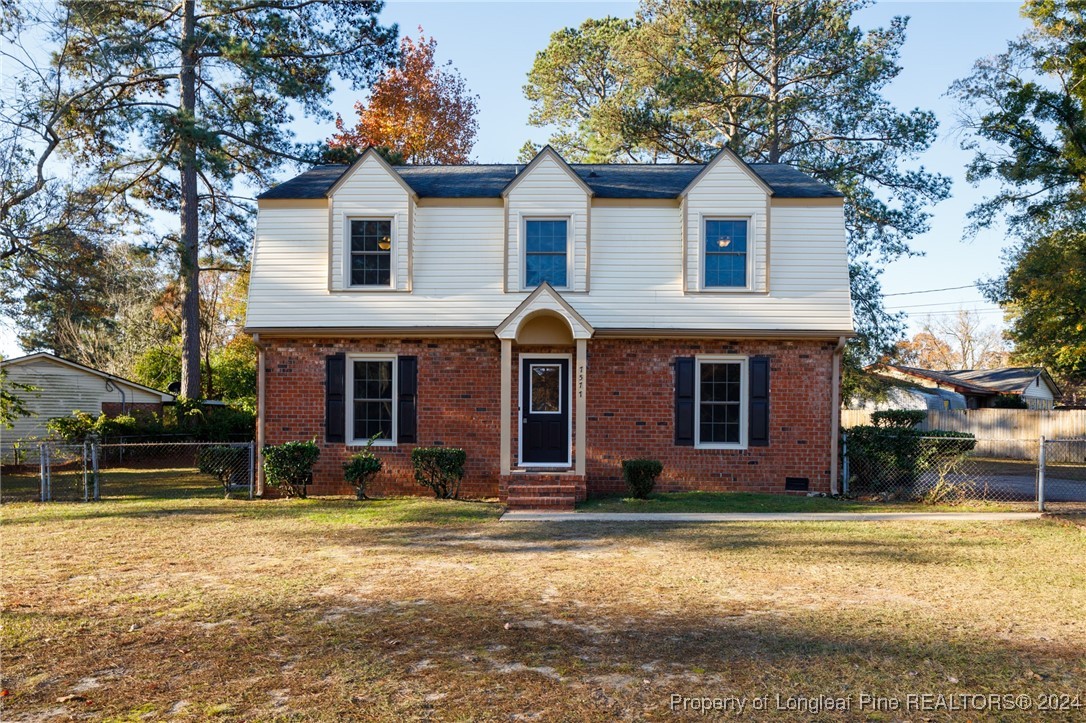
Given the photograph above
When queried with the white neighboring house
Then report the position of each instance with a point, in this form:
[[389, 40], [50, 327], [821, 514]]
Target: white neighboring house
[[65, 386]]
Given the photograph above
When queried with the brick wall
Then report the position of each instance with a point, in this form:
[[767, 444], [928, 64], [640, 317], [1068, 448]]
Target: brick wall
[[630, 399], [457, 406], [631, 391], [113, 409]]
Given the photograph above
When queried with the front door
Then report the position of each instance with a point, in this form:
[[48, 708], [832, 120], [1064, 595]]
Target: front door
[[544, 411]]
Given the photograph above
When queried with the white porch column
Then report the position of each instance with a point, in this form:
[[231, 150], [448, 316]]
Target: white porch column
[[580, 392], [506, 404]]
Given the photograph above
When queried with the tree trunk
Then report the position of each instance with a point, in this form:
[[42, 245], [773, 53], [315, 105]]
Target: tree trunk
[[189, 243]]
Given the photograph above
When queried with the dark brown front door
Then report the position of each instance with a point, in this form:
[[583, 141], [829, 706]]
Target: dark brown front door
[[544, 430]]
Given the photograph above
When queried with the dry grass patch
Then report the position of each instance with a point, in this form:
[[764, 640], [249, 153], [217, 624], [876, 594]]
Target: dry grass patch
[[408, 609]]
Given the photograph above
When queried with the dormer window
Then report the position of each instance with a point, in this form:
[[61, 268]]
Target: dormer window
[[726, 253], [371, 252], [546, 256]]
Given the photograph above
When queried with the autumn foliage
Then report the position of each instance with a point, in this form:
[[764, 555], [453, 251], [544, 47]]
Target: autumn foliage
[[419, 110]]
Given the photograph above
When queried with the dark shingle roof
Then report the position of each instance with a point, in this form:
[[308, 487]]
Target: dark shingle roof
[[1008, 380], [610, 180]]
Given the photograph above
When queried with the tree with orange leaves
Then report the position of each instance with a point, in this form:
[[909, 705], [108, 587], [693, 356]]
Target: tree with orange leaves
[[419, 111]]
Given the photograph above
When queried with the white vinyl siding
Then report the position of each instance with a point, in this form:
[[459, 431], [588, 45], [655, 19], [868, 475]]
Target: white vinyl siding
[[548, 191], [62, 390], [726, 191], [637, 272], [370, 191]]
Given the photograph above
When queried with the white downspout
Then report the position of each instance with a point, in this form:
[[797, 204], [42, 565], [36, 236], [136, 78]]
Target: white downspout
[[835, 413], [259, 416]]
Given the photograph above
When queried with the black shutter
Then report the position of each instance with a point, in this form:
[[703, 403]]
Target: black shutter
[[684, 401], [759, 402], [335, 383], [407, 399]]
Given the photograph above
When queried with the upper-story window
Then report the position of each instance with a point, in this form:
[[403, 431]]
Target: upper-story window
[[725, 253], [546, 255], [371, 252]]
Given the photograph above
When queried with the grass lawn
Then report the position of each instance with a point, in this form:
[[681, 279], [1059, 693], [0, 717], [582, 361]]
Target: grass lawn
[[758, 502], [390, 610]]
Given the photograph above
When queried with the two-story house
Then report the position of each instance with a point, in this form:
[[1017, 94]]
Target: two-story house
[[555, 319]]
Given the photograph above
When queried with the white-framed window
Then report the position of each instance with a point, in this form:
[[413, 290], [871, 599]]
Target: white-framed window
[[369, 244], [720, 409], [725, 253], [371, 398], [547, 254]]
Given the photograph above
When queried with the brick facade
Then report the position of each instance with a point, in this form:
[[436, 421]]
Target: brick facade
[[630, 411], [135, 409]]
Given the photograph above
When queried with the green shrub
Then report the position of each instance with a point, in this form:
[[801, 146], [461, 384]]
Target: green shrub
[[890, 460], [289, 467], [898, 418], [441, 469], [73, 429], [1009, 401], [362, 467], [640, 476], [227, 464]]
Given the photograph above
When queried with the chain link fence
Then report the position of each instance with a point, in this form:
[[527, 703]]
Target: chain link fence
[[70, 472], [1062, 475], [943, 470]]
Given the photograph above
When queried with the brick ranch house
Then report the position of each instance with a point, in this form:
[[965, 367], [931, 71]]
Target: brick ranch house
[[554, 319]]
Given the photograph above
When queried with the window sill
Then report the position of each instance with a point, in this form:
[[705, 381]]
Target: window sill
[[737, 447], [370, 290], [365, 442]]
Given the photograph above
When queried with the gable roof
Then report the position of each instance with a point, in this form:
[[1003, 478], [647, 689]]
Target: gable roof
[[166, 396], [545, 297], [548, 152], [1004, 380], [605, 180], [366, 155], [720, 155]]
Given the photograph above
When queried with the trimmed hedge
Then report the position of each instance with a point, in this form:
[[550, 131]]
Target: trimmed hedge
[[640, 476], [289, 467], [440, 469], [891, 459], [360, 469]]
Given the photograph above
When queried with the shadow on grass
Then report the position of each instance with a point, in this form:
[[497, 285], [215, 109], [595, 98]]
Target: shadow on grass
[[552, 660]]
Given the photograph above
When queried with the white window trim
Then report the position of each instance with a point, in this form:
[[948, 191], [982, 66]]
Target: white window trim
[[392, 251], [351, 359], [744, 399], [702, 286], [524, 219], [520, 412]]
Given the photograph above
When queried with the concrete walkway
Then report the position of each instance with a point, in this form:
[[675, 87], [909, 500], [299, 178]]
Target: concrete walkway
[[767, 516]]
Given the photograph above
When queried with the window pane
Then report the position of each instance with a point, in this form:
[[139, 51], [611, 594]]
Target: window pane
[[371, 252], [545, 236], [725, 253], [372, 397], [726, 236], [720, 402], [545, 267], [546, 388], [725, 269]]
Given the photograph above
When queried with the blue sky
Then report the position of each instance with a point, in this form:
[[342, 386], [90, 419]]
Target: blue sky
[[493, 45]]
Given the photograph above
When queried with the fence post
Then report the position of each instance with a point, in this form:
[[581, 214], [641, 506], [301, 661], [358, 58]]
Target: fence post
[[251, 470], [844, 463], [42, 473], [1041, 476], [94, 463], [86, 489]]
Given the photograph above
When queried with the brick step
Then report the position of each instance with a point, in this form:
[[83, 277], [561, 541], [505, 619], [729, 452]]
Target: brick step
[[542, 490], [556, 503]]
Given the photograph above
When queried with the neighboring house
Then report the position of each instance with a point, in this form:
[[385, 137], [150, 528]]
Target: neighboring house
[[980, 387], [906, 395], [554, 320], [64, 387]]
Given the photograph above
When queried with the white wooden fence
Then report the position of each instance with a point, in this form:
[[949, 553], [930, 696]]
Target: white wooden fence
[[1000, 433]]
